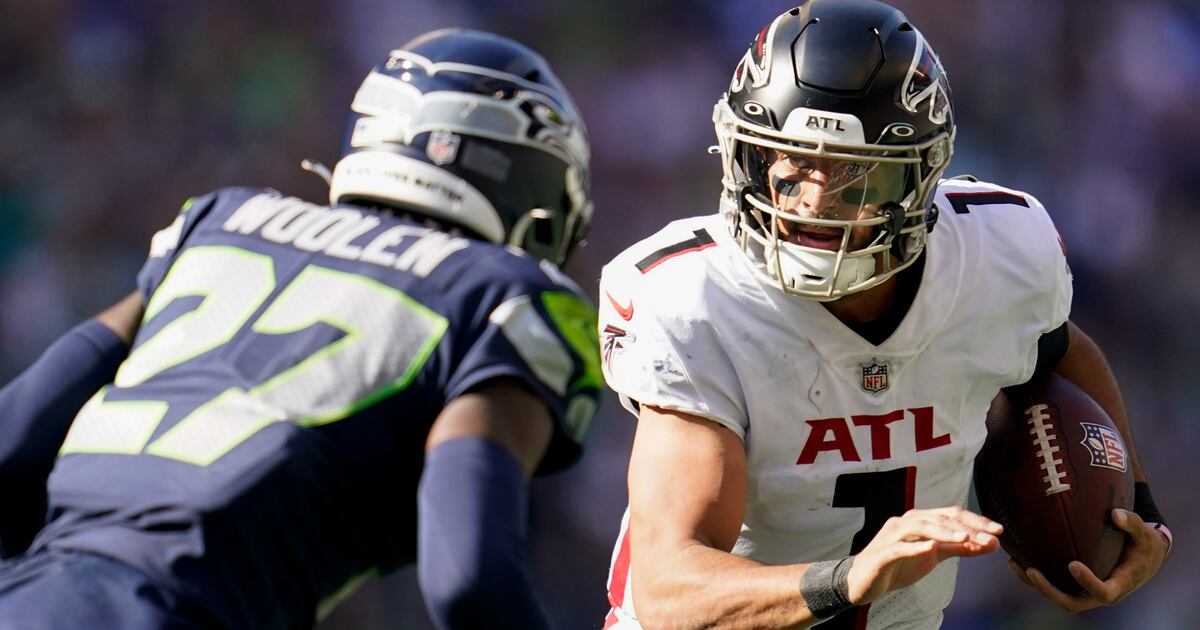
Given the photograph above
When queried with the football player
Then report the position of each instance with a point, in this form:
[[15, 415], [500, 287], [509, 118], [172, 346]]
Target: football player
[[317, 394], [811, 366]]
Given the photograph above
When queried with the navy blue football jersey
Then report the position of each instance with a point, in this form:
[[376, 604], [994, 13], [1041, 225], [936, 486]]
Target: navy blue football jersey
[[260, 447]]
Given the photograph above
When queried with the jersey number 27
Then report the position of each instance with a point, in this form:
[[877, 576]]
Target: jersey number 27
[[387, 337]]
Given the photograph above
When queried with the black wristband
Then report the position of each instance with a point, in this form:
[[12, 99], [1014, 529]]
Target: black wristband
[[824, 587], [1143, 504]]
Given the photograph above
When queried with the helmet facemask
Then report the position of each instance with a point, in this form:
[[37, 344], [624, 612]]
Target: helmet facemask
[[849, 96], [822, 219]]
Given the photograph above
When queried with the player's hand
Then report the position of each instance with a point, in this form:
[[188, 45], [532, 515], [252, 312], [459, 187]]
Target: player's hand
[[908, 547], [1144, 551]]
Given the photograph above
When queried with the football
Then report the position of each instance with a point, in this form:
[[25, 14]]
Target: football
[[1051, 471]]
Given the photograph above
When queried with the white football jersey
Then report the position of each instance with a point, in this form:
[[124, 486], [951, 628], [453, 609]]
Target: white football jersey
[[840, 434]]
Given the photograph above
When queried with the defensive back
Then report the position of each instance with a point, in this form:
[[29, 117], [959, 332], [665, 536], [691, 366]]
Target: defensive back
[[276, 400]]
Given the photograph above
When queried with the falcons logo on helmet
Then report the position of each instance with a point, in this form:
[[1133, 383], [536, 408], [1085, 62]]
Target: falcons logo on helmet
[[926, 81]]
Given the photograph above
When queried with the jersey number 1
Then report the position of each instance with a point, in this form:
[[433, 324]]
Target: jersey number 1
[[882, 495]]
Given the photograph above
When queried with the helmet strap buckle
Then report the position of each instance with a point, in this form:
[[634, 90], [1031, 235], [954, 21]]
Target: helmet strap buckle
[[892, 226]]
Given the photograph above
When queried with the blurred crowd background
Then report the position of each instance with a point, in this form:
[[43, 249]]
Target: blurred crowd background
[[113, 112]]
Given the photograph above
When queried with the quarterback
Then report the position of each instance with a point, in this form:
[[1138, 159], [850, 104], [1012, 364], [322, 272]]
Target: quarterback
[[316, 394], [812, 365]]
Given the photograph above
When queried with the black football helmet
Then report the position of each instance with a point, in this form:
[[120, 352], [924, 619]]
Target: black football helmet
[[833, 134], [472, 130]]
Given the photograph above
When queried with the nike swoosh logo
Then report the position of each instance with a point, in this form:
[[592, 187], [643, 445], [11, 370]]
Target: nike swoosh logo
[[626, 312]]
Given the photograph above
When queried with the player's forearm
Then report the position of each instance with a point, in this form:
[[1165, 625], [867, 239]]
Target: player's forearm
[[124, 317], [36, 409], [703, 587], [1084, 364], [472, 540]]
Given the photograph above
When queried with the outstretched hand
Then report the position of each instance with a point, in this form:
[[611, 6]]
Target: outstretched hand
[[1144, 551], [908, 547]]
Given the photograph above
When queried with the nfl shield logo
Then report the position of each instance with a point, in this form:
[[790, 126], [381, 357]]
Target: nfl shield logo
[[442, 147], [875, 376], [1104, 445]]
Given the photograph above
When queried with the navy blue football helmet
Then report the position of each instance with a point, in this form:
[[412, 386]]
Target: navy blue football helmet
[[472, 130]]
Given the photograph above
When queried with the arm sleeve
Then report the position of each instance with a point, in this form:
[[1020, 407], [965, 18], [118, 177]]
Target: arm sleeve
[[472, 539], [36, 410]]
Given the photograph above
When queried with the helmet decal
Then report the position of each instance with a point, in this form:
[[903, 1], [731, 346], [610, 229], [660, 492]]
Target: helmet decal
[[442, 147], [926, 81], [757, 61], [394, 110]]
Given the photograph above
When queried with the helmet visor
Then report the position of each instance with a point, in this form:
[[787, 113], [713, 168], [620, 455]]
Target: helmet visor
[[804, 186]]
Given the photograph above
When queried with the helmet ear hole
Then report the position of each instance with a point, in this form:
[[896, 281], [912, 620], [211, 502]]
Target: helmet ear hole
[[536, 232], [543, 231]]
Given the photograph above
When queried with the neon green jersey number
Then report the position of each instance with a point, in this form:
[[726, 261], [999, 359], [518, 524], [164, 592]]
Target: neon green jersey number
[[387, 338]]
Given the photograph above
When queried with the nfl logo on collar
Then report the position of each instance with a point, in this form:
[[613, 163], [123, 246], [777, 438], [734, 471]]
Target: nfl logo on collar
[[874, 376]]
